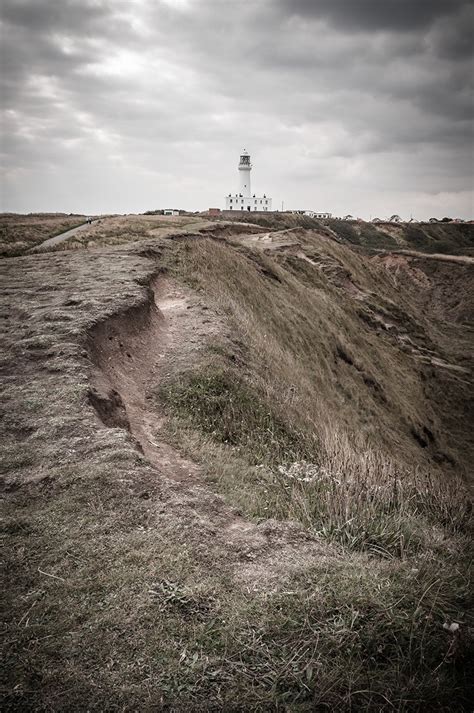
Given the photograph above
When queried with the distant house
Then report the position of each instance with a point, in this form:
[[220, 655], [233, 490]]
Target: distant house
[[313, 214], [395, 219], [170, 211], [434, 220]]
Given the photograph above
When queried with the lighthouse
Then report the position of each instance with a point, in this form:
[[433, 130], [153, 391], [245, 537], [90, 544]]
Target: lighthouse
[[244, 199], [244, 173]]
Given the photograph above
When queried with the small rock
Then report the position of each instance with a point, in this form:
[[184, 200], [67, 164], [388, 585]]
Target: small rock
[[451, 627]]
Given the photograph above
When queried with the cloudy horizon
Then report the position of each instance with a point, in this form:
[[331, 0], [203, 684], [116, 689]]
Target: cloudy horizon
[[346, 106]]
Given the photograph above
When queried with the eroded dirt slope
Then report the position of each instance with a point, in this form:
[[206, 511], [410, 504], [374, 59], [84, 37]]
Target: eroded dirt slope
[[131, 353]]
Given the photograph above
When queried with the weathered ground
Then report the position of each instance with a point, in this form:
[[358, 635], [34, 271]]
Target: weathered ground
[[139, 574]]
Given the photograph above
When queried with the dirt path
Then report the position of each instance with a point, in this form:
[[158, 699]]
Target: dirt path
[[62, 237], [132, 353], [440, 257]]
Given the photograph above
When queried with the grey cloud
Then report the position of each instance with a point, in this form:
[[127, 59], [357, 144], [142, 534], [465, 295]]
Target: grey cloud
[[451, 37], [325, 62], [395, 15], [54, 15], [56, 37]]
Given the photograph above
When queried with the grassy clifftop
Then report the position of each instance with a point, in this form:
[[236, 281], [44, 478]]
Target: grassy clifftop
[[20, 233], [445, 238], [236, 475]]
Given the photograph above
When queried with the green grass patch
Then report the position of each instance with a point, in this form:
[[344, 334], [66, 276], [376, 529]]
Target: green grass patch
[[223, 405]]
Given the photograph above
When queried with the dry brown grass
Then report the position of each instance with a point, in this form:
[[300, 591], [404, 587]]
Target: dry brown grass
[[305, 379], [320, 353], [445, 238], [20, 233], [300, 415], [119, 230]]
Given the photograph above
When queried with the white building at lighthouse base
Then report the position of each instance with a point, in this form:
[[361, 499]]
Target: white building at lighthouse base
[[251, 203]]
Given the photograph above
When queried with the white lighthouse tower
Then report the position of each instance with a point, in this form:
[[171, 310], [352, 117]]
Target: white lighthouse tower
[[244, 199], [244, 173]]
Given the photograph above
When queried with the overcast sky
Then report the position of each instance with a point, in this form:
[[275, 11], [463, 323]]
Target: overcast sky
[[347, 106]]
